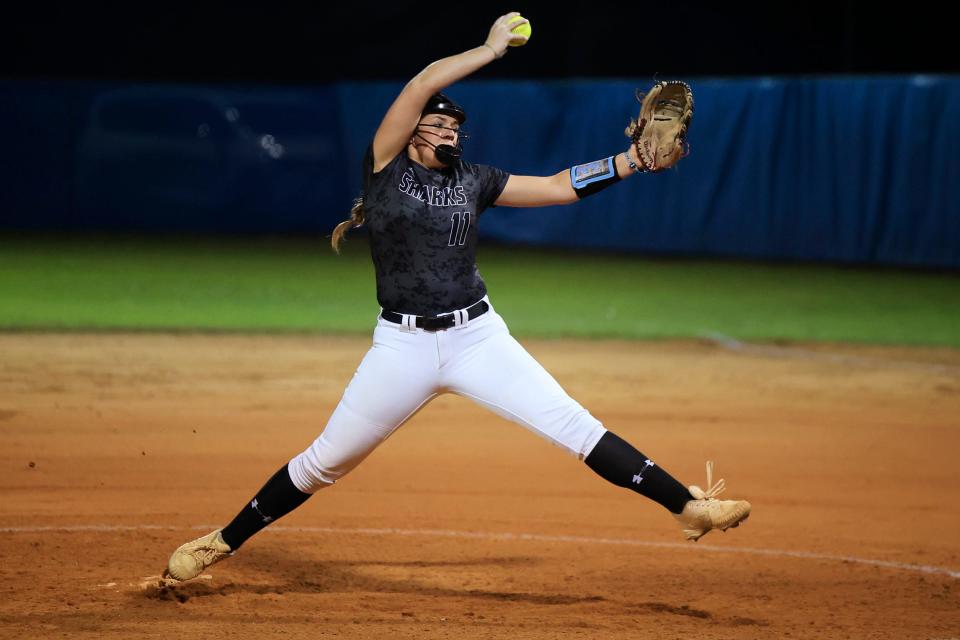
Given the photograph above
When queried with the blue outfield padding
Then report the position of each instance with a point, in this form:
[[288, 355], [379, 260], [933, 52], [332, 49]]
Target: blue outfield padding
[[856, 170]]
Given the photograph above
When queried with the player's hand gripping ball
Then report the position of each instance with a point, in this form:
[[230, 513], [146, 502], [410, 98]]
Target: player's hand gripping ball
[[524, 30]]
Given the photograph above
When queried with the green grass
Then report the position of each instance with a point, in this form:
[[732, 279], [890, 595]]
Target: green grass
[[105, 283]]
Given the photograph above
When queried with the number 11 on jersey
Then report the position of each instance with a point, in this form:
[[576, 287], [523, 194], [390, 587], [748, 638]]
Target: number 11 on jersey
[[458, 228]]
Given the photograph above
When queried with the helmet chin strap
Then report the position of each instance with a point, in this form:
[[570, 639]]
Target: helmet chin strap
[[446, 154]]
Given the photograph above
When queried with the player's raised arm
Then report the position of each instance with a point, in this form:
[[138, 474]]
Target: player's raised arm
[[401, 119]]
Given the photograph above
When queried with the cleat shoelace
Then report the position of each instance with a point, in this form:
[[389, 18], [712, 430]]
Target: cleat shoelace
[[713, 490], [206, 555], [211, 554]]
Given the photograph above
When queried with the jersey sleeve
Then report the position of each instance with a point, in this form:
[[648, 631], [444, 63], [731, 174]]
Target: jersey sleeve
[[368, 174], [491, 181]]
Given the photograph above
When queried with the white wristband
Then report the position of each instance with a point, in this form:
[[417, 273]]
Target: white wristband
[[633, 165]]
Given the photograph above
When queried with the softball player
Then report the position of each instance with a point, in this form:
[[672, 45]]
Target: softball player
[[438, 331]]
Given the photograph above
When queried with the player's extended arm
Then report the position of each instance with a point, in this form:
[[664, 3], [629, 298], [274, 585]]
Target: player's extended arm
[[402, 117], [658, 140], [537, 191]]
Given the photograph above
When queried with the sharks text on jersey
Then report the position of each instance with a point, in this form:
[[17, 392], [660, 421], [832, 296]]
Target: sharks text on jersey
[[434, 196]]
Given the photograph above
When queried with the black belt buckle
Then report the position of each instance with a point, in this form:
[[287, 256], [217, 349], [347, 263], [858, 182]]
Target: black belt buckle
[[436, 323]]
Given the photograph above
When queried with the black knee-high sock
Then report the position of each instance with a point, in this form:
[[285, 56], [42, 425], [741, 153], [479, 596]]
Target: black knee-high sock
[[616, 461], [277, 498]]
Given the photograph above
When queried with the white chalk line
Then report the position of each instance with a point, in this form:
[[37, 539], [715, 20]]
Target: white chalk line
[[732, 344], [535, 537]]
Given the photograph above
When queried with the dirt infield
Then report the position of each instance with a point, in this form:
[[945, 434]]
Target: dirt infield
[[117, 448]]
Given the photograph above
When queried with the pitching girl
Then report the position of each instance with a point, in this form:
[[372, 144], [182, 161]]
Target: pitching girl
[[438, 331]]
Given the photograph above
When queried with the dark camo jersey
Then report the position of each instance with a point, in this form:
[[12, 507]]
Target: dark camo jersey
[[423, 232]]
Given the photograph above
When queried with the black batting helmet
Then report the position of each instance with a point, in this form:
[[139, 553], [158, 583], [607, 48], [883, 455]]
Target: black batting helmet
[[439, 103]]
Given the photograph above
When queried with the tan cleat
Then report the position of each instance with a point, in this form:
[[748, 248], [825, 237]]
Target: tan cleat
[[705, 512], [190, 559]]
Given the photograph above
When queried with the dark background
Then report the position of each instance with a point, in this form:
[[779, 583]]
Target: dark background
[[294, 43]]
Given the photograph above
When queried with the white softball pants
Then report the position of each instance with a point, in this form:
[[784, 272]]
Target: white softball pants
[[405, 369]]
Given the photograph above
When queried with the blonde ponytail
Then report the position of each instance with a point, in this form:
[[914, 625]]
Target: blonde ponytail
[[355, 220]]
